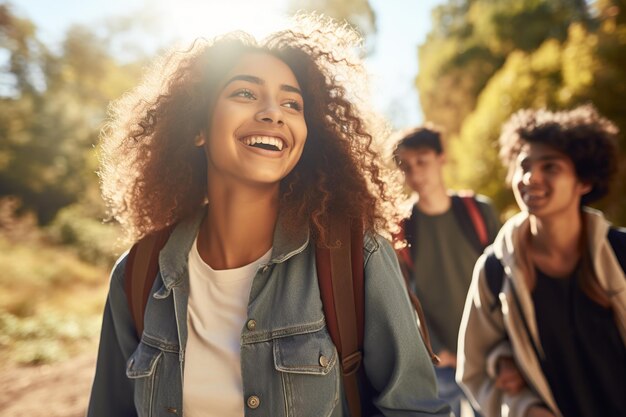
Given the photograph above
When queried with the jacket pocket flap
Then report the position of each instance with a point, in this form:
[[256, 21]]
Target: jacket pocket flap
[[309, 353], [143, 361]]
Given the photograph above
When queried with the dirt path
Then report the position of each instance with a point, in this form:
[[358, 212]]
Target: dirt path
[[59, 390]]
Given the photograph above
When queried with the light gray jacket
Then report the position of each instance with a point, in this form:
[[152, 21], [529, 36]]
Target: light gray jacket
[[487, 334]]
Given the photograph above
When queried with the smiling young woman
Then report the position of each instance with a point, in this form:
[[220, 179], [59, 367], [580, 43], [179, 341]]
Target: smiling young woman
[[246, 148]]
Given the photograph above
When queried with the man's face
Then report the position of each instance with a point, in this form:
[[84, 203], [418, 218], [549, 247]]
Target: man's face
[[544, 182], [422, 168]]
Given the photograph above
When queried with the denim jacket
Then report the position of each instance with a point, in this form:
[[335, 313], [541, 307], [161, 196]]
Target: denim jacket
[[282, 342]]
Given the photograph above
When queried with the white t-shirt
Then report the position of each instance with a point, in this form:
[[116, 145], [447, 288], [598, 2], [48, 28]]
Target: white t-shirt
[[216, 314]]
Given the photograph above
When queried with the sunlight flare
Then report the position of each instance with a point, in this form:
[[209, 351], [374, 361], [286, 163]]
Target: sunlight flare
[[190, 19]]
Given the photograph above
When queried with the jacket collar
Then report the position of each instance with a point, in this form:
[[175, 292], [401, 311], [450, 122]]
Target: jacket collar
[[509, 247], [510, 243], [173, 259]]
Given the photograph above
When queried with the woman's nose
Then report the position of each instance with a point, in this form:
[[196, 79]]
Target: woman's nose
[[270, 113]]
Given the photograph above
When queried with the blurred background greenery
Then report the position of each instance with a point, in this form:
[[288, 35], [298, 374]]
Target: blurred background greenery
[[481, 61], [485, 59]]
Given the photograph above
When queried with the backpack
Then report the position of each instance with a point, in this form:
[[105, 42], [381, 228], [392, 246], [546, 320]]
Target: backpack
[[494, 271], [341, 281], [467, 213]]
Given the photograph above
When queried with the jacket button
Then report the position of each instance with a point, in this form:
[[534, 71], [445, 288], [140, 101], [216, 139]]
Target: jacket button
[[251, 324], [323, 361], [253, 401]]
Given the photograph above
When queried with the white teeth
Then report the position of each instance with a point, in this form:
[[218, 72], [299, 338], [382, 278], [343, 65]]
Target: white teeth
[[267, 140]]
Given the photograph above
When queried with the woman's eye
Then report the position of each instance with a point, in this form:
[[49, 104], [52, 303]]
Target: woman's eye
[[292, 104], [245, 93]]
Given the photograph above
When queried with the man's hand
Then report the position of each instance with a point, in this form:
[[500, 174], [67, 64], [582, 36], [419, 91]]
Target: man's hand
[[539, 411], [446, 359], [509, 379]]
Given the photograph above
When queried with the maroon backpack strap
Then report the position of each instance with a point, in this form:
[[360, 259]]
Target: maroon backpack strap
[[142, 266], [340, 277]]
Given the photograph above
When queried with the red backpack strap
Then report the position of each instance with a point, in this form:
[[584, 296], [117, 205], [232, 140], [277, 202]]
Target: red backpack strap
[[340, 277], [142, 266], [477, 218]]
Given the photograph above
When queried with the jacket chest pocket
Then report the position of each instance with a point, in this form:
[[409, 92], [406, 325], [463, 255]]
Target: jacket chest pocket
[[155, 375], [307, 364]]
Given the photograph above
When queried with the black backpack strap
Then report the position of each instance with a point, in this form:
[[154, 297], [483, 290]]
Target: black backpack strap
[[471, 220], [617, 240], [407, 234], [409, 228], [494, 273]]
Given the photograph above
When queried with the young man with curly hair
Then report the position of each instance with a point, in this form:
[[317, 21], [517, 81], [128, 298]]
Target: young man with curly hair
[[544, 327]]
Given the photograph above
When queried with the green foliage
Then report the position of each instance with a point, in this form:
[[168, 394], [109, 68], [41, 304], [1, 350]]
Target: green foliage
[[554, 55], [91, 239], [50, 304], [471, 40], [52, 107], [51, 116], [45, 338]]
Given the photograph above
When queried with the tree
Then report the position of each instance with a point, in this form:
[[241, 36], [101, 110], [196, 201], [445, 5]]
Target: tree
[[52, 112], [588, 66], [471, 40]]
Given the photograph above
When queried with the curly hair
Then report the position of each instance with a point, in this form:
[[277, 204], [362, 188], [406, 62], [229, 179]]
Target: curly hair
[[582, 134], [153, 175]]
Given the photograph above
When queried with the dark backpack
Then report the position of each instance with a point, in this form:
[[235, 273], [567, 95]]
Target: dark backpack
[[340, 277], [467, 213], [494, 271]]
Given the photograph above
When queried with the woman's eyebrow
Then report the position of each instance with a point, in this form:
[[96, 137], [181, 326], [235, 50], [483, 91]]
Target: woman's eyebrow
[[256, 80]]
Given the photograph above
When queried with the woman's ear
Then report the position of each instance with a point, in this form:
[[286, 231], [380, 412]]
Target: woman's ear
[[199, 140]]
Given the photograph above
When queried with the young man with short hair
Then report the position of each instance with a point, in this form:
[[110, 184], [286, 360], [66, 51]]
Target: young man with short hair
[[445, 234]]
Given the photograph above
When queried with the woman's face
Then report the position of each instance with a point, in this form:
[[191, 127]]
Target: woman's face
[[257, 130]]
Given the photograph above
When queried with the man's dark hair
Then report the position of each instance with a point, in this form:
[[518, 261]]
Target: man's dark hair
[[421, 137], [581, 134]]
